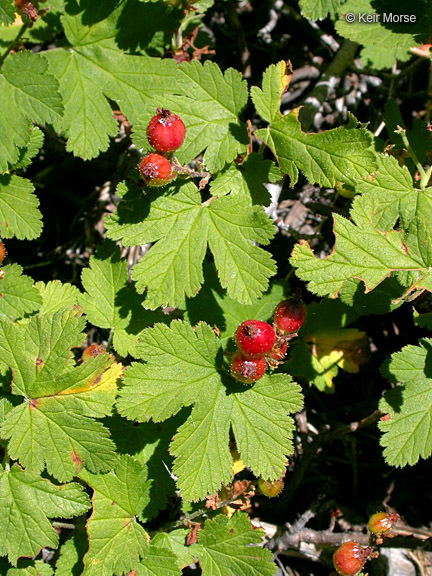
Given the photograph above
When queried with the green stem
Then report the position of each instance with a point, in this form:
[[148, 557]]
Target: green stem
[[110, 339], [6, 461], [14, 42], [424, 176]]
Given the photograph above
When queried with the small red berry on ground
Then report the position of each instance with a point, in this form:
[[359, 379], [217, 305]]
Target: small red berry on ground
[[289, 315], [247, 370], [254, 338], [350, 558], [155, 170], [165, 131]]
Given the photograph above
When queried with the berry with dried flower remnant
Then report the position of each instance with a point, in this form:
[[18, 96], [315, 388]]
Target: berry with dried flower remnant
[[165, 131], [289, 315], [350, 558], [270, 488], [247, 370], [92, 351], [382, 522], [156, 170], [2, 252], [254, 338]]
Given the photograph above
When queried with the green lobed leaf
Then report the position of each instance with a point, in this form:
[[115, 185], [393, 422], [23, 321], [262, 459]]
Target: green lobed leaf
[[38, 568], [27, 501], [7, 12], [407, 426], [56, 296], [32, 148], [247, 179], [158, 561], [148, 443], [71, 552], [55, 426], [19, 213], [210, 102], [91, 73], [181, 226], [319, 9], [362, 251], [184, 368], [18, 295], [116, 540], [343, 154], [395, 39], [232, 547], [391, 192], [267, 99], [175, 540], [111, 301], [28, 92]]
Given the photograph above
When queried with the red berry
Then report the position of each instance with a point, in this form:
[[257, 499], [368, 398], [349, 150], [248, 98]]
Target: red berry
[[289, 315], [278, 351], [92, 351], [165, 131], [381, 522], [2, 252], [350, 558], [156, 170], [270, 488], [247, 370], [254, 338]]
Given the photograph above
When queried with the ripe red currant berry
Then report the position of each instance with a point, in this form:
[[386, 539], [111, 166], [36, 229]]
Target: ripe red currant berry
[[155, 170], [254, 338], [289, 315], [381, 523], [270, 488], [92, 351], [247, 370], [350, 558], [2, 252], [165, 131]]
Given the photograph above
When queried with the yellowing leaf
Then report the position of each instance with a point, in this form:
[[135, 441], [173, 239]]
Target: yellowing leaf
[[347, 348]]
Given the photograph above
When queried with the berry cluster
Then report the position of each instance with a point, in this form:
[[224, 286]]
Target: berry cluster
[[165, 133], [260, 344], [350, 557]]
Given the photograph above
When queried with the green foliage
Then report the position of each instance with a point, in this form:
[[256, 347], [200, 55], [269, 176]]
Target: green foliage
[[395, 38], [406, 427], [184, 367], [27, 502], [181, 226], [161, 278], [225, 544]]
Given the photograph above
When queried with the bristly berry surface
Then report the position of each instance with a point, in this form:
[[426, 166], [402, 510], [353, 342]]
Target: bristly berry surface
[[247, 370], [165, 131], [269, 488], [254, 338], [289, 315], [350, 558], [382, 522], [278, 351], [156, 170]]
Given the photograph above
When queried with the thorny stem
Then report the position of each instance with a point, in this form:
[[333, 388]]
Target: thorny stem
[[424, 176], [14, 41]]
